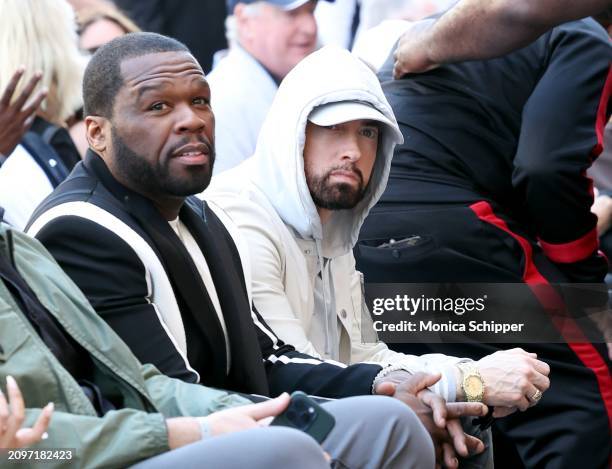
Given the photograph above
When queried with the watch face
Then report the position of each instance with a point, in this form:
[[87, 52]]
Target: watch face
[[473, 386]]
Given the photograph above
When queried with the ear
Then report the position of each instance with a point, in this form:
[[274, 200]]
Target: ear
[[96, 130], [239, 11]]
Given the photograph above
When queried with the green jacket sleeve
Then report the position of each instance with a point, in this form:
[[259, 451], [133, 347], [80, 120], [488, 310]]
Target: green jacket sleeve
[[174, 397], [117, 440]]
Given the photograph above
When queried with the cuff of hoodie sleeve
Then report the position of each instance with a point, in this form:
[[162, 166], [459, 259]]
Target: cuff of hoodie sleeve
[[449, 380], [447, 385]]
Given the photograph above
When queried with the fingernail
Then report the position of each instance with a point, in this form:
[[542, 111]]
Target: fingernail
[[10, 381], [44, 436], [21, 68], [50, 406]]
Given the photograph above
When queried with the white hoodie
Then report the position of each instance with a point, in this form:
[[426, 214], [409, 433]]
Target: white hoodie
[[304, 281]]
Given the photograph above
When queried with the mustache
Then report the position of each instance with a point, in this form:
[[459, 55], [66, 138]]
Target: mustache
[[346, 167], [198, 139]]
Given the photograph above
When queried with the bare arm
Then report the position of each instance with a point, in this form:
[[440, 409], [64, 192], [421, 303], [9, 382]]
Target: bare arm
[[483, 29], [185, 430]]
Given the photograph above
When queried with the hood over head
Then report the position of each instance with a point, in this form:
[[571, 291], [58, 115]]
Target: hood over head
[[329, 75]]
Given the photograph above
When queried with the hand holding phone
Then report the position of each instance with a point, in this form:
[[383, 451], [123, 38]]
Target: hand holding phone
[[306, 415]]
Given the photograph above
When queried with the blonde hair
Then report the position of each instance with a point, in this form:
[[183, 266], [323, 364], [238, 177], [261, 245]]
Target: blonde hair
[[42, 36], [90, 14]]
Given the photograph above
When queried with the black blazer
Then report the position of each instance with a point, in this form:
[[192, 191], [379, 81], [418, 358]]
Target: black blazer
[[92, 225]]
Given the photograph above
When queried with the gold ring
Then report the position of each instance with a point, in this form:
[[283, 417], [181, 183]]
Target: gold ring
[[536, 396]]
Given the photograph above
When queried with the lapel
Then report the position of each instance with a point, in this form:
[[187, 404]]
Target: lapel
[[246, 371], [185, 279]]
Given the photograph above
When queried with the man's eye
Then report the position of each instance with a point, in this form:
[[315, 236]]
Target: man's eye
[[158, 107], [370, 132], [201, 100], [332, 127]]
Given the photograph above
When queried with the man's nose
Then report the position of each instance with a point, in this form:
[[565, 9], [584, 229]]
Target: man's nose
[[350, 150], [308, 24], [188, 120]]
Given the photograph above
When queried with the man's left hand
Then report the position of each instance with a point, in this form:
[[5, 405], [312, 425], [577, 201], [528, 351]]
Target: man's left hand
[[439, 418], [411, 53]]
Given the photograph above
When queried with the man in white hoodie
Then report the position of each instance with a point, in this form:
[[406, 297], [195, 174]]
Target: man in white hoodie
[[322, 161]]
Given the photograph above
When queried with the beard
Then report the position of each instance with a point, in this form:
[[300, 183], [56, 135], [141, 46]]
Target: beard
[[156, 178], [335, 196]]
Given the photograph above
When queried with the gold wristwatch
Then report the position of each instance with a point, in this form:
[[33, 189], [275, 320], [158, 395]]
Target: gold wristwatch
[[472, 384]]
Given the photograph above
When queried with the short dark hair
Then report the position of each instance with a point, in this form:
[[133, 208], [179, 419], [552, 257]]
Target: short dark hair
[[102, 79]]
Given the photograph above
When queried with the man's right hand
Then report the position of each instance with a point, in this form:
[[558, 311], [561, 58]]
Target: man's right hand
[[15, 119], [185, 430], [12, 415]]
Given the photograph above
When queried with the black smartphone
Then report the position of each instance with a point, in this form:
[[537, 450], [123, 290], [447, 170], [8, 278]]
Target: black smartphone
[[306, 415]]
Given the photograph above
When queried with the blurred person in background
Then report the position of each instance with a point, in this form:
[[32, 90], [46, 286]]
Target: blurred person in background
[[344, 21], [196, 23], [266, 40], [41, 36], [99, 23], [17, 111]]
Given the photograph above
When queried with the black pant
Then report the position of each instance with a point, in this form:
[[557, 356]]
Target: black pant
[[570, 427]]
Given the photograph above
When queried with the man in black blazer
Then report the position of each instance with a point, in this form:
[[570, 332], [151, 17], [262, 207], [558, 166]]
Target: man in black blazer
[[163, 268]]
